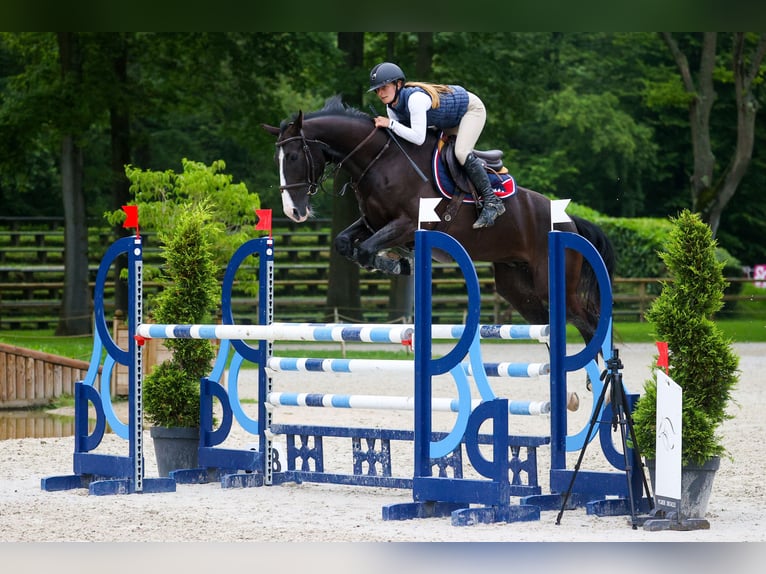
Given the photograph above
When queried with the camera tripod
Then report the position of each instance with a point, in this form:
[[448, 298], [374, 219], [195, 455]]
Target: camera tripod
[[621, 417]]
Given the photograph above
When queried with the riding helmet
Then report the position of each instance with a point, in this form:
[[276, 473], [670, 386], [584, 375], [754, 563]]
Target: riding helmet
[[383, 74]]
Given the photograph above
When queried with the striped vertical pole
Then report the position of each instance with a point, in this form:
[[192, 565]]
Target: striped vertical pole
[[136, 371], [265, 351]]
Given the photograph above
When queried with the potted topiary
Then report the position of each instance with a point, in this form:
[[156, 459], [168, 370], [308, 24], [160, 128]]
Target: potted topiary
[[200, 217], [701, 359], [172, 390]]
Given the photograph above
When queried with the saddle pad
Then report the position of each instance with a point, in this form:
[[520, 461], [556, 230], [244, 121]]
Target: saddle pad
[[503, 184]]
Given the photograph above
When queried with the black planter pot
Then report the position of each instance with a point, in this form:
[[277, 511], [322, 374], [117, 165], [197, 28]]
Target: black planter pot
[[696, 486], [175, 448]]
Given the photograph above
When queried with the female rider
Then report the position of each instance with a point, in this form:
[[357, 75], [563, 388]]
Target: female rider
[[414, 106]]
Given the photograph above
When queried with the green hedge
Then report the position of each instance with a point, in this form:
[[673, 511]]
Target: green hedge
[[638, 241]]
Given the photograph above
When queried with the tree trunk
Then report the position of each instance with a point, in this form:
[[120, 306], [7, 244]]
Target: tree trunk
[[711, 194], [747, 109], [700, 106], [119, 119], [402, 290], [343, 291], [343, 286], [76, 313]]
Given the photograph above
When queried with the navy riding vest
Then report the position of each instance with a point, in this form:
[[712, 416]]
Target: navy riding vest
[[452, 107]]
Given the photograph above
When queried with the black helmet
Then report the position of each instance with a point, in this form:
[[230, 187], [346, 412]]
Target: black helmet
[[383, 74]]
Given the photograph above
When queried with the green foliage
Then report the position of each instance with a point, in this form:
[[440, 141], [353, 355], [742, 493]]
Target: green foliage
[[637, 241], [164, 196], [601, 118], [189, 238], [171, 396], [702, 361]]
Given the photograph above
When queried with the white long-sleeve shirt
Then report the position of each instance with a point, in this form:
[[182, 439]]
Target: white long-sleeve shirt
[[418, 105]]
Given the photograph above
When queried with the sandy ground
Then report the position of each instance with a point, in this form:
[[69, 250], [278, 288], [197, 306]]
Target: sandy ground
[[318, 513]]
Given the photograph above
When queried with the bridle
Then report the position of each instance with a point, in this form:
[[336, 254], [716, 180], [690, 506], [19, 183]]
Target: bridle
[[314, 183]]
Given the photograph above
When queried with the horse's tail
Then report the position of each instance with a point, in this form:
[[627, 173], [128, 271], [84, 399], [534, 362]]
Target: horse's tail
[[603, 245]]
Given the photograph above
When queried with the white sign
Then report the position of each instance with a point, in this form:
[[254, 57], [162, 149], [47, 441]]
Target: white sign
[[427, 211], [559, 211], [667, 489], [759, 272]]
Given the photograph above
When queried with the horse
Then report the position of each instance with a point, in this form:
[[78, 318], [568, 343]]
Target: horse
[[388, 183]]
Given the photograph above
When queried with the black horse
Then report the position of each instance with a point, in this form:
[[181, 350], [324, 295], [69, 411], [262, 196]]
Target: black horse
[[388, 189]]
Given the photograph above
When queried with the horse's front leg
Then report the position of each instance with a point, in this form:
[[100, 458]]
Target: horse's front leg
[[397, 233], [347, 240]]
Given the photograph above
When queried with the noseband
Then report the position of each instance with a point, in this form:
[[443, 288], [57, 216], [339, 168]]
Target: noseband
[[313, 183]]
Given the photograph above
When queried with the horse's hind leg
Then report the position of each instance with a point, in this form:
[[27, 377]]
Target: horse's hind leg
[[528, 293], [577, 312], [515, 283]]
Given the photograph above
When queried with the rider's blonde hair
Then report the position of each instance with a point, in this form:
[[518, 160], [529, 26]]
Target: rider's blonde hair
[[433, 90]]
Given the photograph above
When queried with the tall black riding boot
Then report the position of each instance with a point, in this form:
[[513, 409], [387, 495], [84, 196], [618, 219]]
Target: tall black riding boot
[[493, 206]]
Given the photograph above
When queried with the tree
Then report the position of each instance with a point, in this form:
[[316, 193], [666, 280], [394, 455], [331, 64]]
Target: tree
[[163, 197], [713, 183], [56, 101], [171, 391], [702, 360], [99, 101], [75, 317], [343, 287]]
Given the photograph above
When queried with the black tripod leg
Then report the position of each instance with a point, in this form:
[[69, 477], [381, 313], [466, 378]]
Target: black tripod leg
[[619, 404], [593, 421]]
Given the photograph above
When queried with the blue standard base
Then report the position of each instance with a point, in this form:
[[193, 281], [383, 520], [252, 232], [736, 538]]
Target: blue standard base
[[461, 514], [410, 510], [100, 486], [126, 486], [492, 514]]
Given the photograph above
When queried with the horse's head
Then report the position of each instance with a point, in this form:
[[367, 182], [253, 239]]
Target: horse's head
[[301, 163]]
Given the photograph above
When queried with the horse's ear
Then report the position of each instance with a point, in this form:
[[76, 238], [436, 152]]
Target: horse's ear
[[271, 129], [299, 120]]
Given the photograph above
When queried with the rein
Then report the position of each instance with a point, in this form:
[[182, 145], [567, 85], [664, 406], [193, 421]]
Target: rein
[[311, 181]]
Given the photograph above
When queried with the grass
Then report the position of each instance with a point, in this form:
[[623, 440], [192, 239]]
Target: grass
[[738, 330], [751, 330], [46, 341]]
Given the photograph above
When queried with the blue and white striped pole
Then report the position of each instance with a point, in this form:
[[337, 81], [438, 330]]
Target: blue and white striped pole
[[341, 401], [335, 332], [318, 365]]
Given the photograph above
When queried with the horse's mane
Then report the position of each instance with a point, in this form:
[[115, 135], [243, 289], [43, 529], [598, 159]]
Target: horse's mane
[[334, 106]]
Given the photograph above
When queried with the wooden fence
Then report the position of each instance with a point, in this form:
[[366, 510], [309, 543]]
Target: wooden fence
[[32, 378], [32, 279]]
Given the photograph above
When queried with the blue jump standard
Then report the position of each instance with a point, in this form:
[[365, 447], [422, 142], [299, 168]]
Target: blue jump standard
[[445, 493]]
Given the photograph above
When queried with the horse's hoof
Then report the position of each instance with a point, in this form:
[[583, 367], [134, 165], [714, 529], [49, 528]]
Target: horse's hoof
[[573, 402], [387, 265]]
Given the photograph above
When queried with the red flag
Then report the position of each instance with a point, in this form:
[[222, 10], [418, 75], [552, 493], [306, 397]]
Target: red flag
[[663, 360], [131, 211], [264, 220]]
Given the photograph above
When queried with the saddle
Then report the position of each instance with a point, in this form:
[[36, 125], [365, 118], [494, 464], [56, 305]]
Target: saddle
[[452, 181]]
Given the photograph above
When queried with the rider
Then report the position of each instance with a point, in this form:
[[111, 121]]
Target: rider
[[413, 106]]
